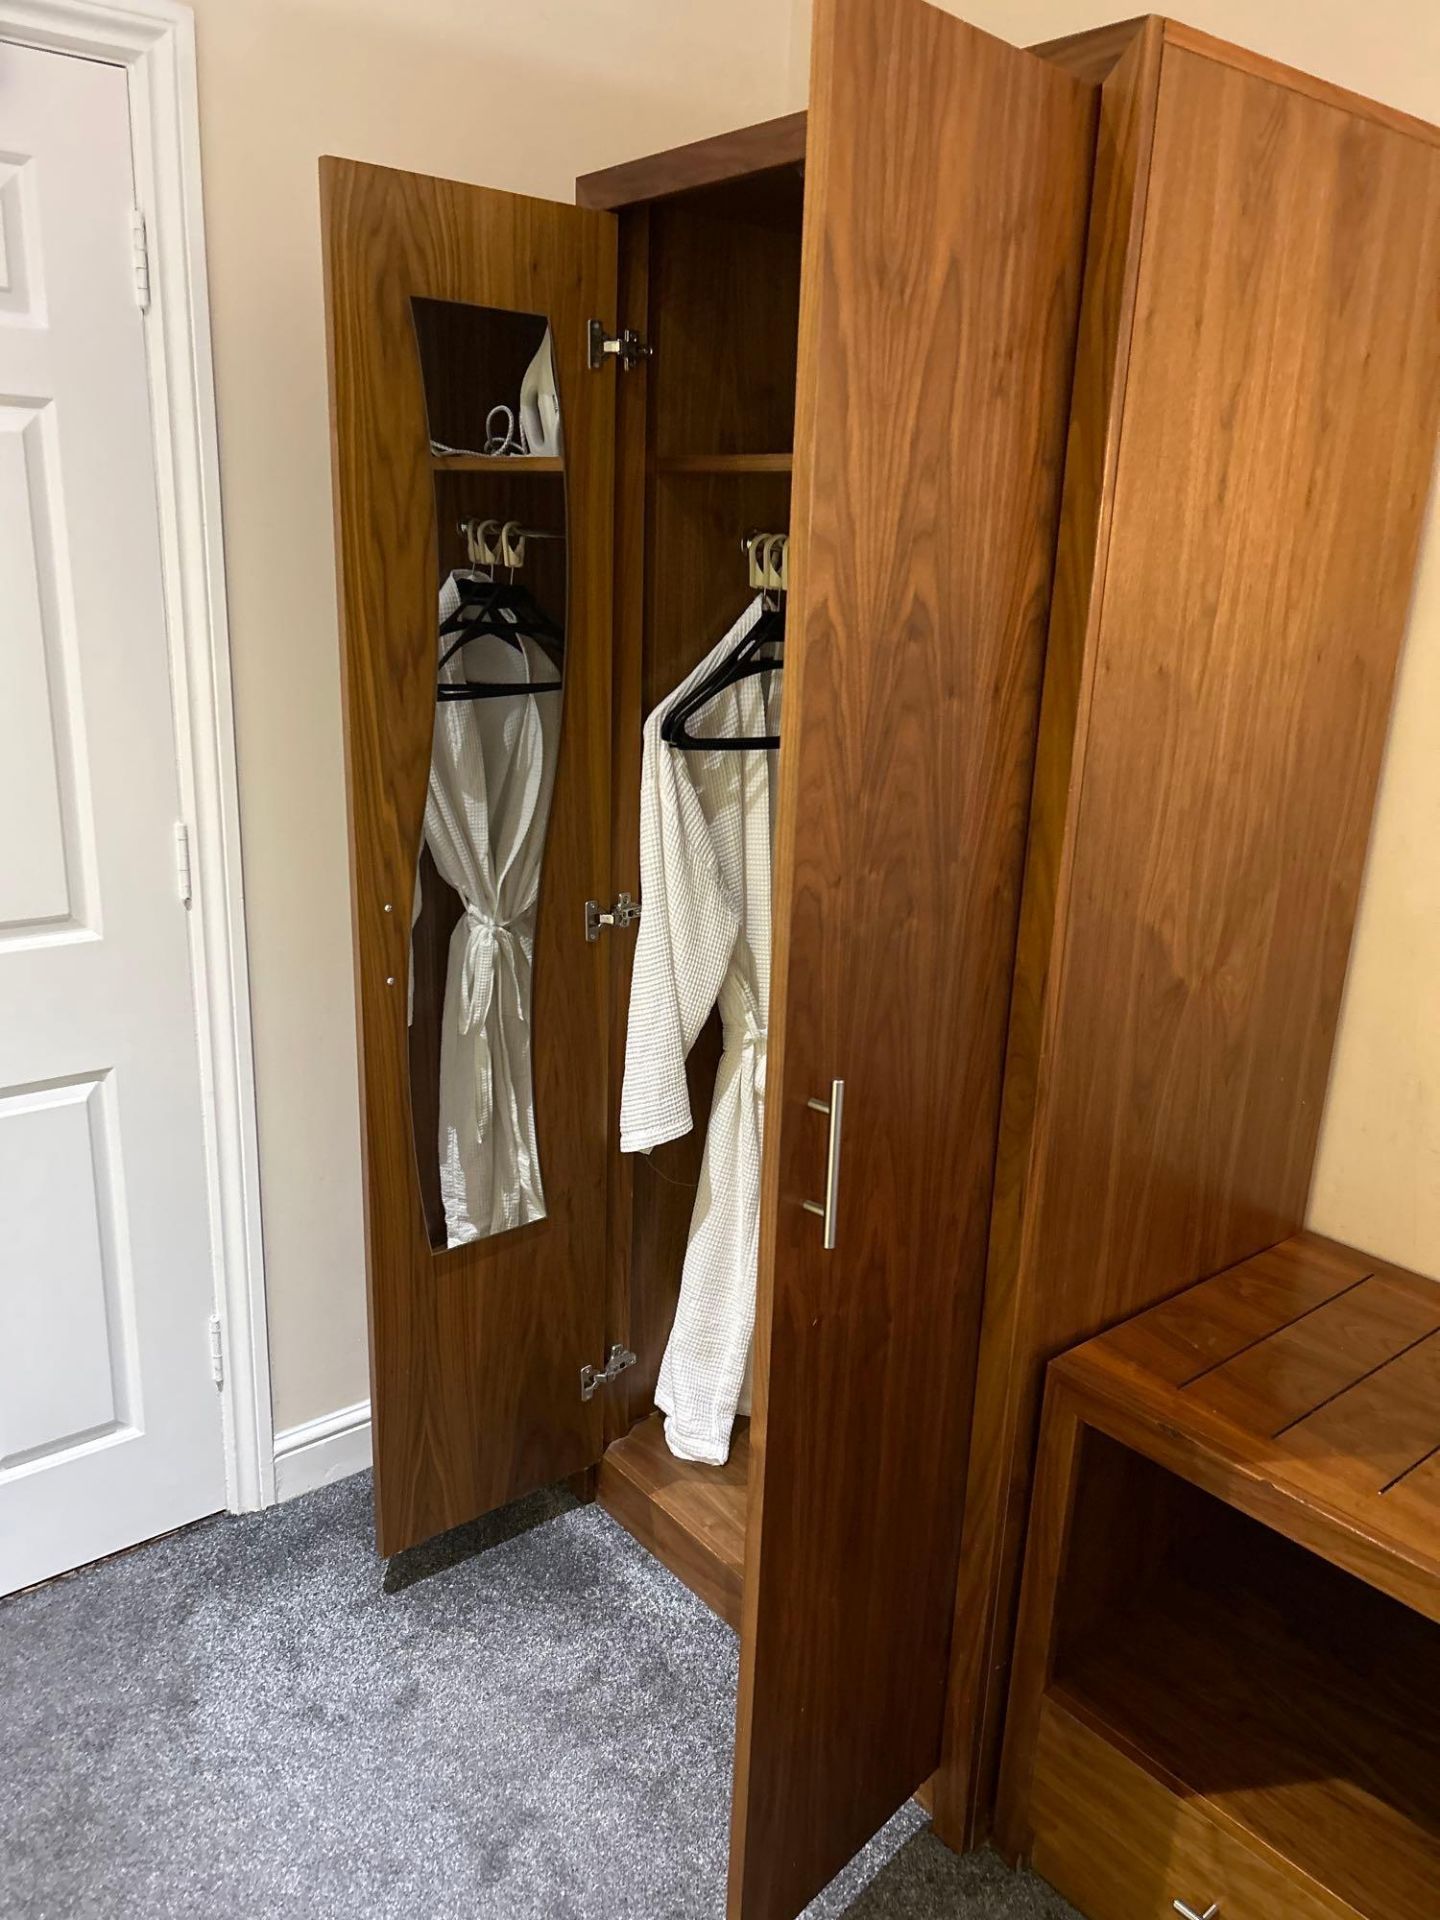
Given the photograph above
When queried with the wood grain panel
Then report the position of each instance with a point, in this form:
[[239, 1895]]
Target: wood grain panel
[[725, 462], [1195, 864], [1202, 1328], [1094, 53], [994, 1504], [1269, 497], [1381, 1427], [1273, 1385], [699, 163], [1412, 1503], [724, 310], [475, 1352], [509, 464], [1276, 74], [690, 1516], [946, 193]]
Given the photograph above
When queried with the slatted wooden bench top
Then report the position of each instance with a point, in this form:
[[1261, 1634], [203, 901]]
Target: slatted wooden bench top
[[1302, 1386]]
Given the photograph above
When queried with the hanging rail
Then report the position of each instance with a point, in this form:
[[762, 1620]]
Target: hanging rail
[[500, 543]]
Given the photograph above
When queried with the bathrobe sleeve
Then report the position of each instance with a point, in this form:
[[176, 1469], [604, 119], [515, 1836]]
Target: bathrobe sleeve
[[688, 927]]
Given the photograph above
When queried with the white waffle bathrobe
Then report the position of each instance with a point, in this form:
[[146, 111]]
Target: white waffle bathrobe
[[492, 773], [705, 835]]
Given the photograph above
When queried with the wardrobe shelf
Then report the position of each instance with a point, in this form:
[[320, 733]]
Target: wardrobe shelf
[[689, 1515], [724, 462], [496, 463]]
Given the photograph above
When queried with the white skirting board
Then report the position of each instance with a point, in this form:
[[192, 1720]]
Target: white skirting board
[[319, 1451]]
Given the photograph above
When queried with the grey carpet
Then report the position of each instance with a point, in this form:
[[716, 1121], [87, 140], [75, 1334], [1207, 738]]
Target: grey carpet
[[246, 1721]]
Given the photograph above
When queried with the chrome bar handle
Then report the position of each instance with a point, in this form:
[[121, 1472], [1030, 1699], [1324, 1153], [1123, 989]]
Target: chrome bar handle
[[835, 1107], [1212, 1912]]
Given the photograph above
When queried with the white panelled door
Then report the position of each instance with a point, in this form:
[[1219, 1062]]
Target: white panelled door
[[110, 1425]]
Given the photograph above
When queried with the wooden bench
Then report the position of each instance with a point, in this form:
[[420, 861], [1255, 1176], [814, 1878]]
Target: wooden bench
[[1226, 1695]]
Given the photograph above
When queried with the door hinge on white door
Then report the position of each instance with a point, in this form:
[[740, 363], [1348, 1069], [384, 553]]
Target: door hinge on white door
[[593, 1377], [140, 255], [217, 1350], [184, 880]]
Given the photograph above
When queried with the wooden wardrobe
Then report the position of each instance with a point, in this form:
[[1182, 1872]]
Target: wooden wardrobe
[[865, 325]]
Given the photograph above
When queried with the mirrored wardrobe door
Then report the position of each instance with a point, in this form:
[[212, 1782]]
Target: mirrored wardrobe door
[[473, 476]]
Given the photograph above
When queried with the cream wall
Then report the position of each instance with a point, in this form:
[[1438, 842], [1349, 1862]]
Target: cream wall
[[1377, 1180], [516, 96], [525, 97]]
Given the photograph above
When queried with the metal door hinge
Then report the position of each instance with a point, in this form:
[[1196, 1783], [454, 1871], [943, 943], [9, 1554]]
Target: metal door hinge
[[593, 1377], [184, 879], [624, 913], [217, 1350], [626, 346], [140, 257]]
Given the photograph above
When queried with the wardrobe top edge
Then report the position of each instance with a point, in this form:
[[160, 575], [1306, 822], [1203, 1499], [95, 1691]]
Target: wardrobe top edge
[[1092, 55], [770, 144], [761, 148], [1296, 80]]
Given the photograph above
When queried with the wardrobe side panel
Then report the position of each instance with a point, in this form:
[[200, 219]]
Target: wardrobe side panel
[[1117, 218], [475, 1351], [1276, 457], [1276, 452], [947, 185]]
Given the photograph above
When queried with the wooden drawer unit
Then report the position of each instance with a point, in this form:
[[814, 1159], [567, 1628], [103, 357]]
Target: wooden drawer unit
[[1227, 1686], [1124, 1845]]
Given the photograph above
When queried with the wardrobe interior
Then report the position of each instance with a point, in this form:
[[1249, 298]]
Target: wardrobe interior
[[710, 279]]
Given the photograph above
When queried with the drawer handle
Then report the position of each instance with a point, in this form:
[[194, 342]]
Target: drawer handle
[[1212, 1912], [835, 1107]]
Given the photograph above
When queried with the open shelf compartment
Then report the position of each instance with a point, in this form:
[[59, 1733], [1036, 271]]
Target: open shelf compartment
[[1297, 1705]]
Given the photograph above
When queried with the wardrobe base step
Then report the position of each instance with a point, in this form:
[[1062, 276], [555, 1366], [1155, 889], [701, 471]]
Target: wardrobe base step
[[689, 1516]]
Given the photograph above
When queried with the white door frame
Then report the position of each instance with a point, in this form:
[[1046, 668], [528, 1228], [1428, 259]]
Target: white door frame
[[154, 40]]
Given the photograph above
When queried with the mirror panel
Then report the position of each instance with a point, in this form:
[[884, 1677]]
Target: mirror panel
[[496, 440]]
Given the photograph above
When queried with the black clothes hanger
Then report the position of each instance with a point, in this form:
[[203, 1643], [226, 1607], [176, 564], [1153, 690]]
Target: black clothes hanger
[[502, 609], [743, 661]]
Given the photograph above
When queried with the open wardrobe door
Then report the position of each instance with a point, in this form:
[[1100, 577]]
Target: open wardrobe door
[[477, 712], [947, 182]]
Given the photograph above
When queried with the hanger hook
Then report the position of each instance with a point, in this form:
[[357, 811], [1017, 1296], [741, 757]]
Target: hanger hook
[[774, 569], [754, 544]]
